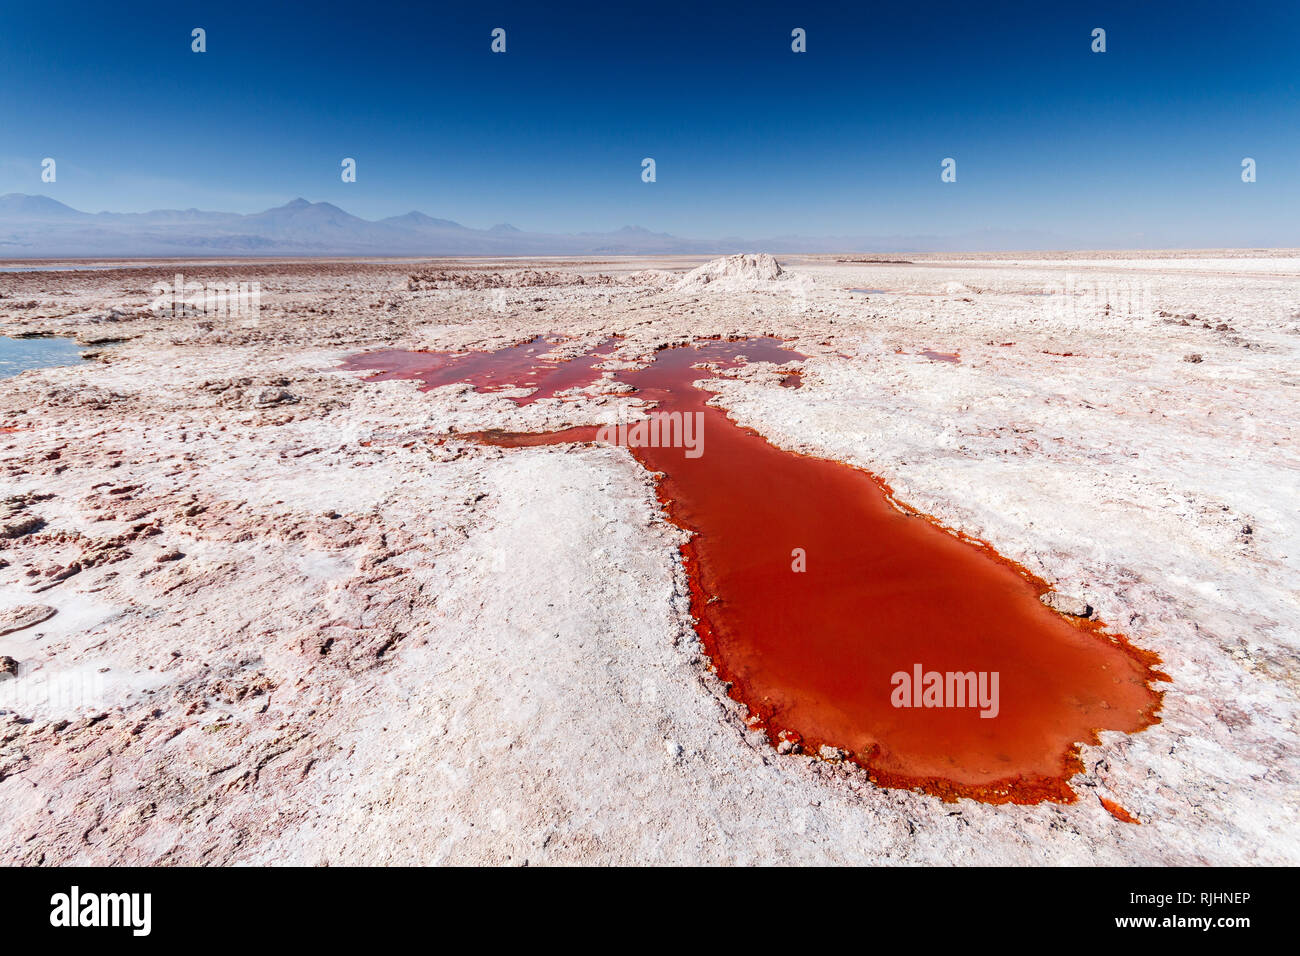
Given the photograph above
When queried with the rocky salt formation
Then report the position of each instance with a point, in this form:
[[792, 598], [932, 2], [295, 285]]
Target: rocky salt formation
[[1067, 604], [23, 616], [297, 620], [732, 271]]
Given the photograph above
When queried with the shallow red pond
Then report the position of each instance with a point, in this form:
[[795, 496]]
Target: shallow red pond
[[841, 620], [524, 365], [934, 356]]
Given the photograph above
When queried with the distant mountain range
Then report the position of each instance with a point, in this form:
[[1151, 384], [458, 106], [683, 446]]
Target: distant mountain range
[[41, 227]]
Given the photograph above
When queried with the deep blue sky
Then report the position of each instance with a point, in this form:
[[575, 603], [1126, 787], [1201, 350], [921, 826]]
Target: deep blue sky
[[1140, 145]]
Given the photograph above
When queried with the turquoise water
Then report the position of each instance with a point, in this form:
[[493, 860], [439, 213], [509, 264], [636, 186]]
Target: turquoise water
[[19, 355]]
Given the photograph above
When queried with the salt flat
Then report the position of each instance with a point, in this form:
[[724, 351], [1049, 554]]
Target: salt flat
[[299, 620]]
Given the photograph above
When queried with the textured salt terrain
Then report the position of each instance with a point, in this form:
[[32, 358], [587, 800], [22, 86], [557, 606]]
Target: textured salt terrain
[[298, 621]]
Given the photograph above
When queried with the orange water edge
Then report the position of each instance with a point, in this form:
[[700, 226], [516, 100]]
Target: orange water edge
[[811, 653]]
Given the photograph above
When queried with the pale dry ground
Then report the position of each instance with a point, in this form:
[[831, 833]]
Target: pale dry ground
[[376, 648]]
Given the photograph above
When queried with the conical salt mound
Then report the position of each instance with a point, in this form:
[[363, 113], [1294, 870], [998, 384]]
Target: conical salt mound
[[744, 267]]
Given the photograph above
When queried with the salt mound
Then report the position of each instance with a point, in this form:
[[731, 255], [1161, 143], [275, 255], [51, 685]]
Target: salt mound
[[743, 268]]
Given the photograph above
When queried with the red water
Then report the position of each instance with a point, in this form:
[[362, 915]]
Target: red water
[[813, 653], [1118, 812], [934, 356], [525, 365]]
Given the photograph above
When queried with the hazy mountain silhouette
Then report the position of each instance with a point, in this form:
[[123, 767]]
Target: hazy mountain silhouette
[[38, 226]]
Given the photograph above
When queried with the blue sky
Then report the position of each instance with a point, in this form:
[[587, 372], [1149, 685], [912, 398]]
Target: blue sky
[[1141, 145]]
